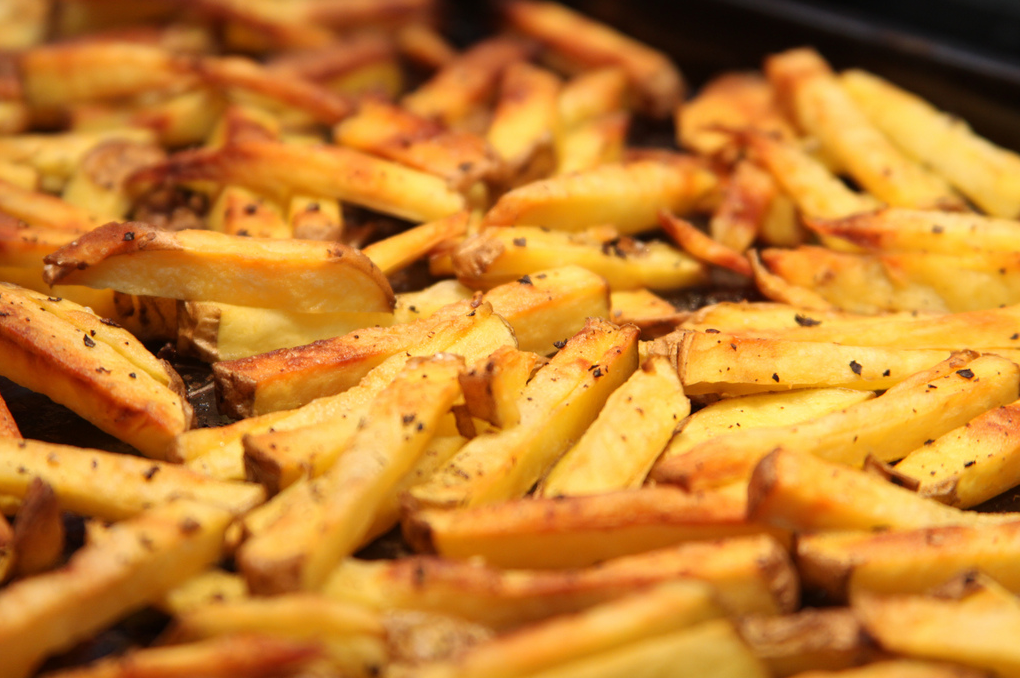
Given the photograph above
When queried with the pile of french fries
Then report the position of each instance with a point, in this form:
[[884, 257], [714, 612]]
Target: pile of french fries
[[586, 480]]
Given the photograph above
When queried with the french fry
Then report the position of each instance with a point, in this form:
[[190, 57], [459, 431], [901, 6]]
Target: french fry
[[400, 251], [733, 102], [238, 211], [212, 331], [500, 254], [424, 46], [778, 289], [58, 156], [732, 365], [179, 120], [493, 385], [329, 517], [135, 258], [591, 95], [906, 561], [626, 196], [969, 464], [561, 640], [701, 246], [8, 427], [22, 245], [98, 184], [823, 109], [811, 639], [593, 143], [626, 438], [413, 306], [759, 411], [102, 302], [65, 352], [457, 93], [560, 402], [138, 560], [746, 202], [797, 491], [315, 218], [900, 668], [113, 486], [974, 630], [578, 41], [209, 587], [555, 533], [232, 656], [650, 312], [887, 427], [521, 131], [25, 24], [750, 574], [981, 170], [39, 209], [39, 534], [23, 176]]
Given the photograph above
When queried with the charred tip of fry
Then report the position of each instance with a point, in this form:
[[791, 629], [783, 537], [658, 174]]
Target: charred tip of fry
[[417, 532]]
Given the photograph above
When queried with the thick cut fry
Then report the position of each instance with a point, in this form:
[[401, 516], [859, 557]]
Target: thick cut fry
[[732, 365], [746, 203], [594, 143], [400, 251], [887, 427], [558, 404], [580, 531], [581, 42], [976, 630], [112, 486], [561, 640], [823, 109], [972, 463], [138, 560], [524, 121], [329, 516], [907, 561], [230, 656], [898, 230], [810, 639], [590, 95], [282, 170], [750, 574], [458, 93], [38, 209], [498, 255], [139, 401], [39, 534], [413, 306], [57, 156], [981, 170], [626, 196], [238, 211], [493, 386], [26, 246], [297, 275], [797, 491], [765, 410], [907, 281], [620, 446]]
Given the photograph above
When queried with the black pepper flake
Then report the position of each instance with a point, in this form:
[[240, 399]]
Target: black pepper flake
[[559, 344], [711, 330], [805, 321], [597, 372], [420, 427], [968, 464], [102, 370], [189, 525], [88, 341], [92, 333], [132, 375], [929, 441], [108, 322], [1015, 336], [775, 377], [525, 280], [149, 474], [129, 236], [966, 373], [251, 209], [937, 229], [521, 242], [54, 299], [856, 367], [312, 207], [887, 373], [408, 418]]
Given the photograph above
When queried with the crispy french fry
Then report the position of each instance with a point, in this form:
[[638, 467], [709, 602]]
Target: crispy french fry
[[522, 127], [561, 640], [701, 246], [981, 170], [315, 218], [581, 531], [138, 560], [972, 463], [592, 94], [800, 492], [212, 586], [887, 427], [626, 438], [39, 209], [400, 251], [776, 288], [238, 211], [135, 258], [822, 108], [102, 302], [650, 312], [57, 156], [98, 184], [579, 41], [413, 306], [23, 245], [746, 203], [627, 196], [39, 535], [493, 385], [906, 561], [750, 574], [591, 144], [328, 517], [113, 486], [79, 363], [500, 254], [557, 405]]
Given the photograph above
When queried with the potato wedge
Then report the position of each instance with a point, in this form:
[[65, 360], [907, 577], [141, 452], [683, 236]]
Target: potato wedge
[[581, 531], [750, 574], [138, 560], [135, 258], [578, 41], [627, 196], [492, 387], [558, 404]]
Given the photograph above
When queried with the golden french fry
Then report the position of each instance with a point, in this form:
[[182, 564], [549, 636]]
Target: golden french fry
[[212, 586], [22, 245], [135, 258], [653, 314], [138, 560], [745, 207], [39, 535], [579, 41], [423, 45], [57, 156], [981, 170], [315, 218], [98, 184], [400, 251], [701, 246], [555, 533], [38, 209], [627, 196], [593, 94], [591, 144], [238, 211], [524, 121], [493, 386], [776, 288]]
